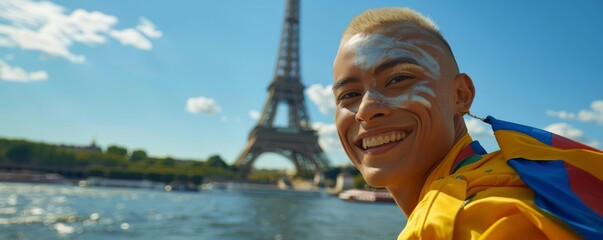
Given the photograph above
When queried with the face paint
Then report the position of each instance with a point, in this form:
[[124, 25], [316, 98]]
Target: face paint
[[373, 49], [413, 94]]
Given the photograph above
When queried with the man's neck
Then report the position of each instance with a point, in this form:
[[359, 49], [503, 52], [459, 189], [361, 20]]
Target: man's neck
[[407, 194]]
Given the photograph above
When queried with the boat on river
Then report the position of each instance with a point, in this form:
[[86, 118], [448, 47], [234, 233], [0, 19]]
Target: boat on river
[[265, 190], [366, 196], [105, 182]]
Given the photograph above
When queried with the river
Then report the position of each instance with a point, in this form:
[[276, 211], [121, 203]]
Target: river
[[46, 211]]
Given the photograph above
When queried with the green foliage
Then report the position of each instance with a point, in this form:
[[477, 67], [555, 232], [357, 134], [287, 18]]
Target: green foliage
[[168, 161], [114, 163], [196, 163], [117, 150], [265, 176], [19, 154], [304, 175], [359, 182], [112, 160], [138, 156], [332, 173], [216, 162]]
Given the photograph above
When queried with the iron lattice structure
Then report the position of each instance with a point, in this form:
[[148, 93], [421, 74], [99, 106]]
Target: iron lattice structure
[[297, 141]]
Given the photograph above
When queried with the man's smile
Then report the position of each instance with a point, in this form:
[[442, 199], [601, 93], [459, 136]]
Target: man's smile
[[370, 141], [381, 139]]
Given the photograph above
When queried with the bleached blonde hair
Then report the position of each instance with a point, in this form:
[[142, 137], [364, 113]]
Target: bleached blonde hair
[[374, 19]]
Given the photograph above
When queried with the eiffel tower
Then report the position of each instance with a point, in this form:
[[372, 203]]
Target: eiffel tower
[[297, 141]]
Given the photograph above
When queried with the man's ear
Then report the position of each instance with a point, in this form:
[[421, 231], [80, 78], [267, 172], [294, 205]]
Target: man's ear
[[464, 93]]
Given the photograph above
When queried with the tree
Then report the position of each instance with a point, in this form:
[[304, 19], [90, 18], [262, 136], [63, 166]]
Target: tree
[[138, 155], [20, 154], [216, 161], [332, 173], [359, 182], [117, 150], [168, 161]]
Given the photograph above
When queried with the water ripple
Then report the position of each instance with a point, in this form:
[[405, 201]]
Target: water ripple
[[64, 212]]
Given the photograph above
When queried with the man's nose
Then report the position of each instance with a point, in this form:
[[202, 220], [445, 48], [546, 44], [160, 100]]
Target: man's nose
[[372, 107]]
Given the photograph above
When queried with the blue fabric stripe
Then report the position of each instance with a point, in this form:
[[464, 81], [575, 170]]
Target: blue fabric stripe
[[550, 182], [541, 135], [477, 148]]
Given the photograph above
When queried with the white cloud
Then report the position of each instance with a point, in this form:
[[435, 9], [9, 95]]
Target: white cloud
[[131, 37], [145, 26], [255, 115], [476, 128], [50, 29], [594, 114], [18, 74], [202, 105], [565, 130], [327, 136], [571, 132], [561, 114], [322, 97]]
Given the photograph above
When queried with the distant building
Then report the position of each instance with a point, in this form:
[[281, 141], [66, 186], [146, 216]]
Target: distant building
[[90, 148]]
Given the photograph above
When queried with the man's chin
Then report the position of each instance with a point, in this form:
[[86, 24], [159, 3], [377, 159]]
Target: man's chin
[[377, 178]]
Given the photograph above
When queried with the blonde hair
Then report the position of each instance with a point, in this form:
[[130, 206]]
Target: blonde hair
[[373, 19]]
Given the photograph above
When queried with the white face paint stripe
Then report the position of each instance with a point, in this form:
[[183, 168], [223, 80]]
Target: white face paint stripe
[[408, 96], [421, 87], [373, 49], [412, 94]]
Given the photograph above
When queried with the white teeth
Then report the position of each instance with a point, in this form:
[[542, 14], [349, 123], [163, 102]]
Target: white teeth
[[383, 139]]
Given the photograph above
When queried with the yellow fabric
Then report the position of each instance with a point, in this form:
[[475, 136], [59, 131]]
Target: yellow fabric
[[501, 205]]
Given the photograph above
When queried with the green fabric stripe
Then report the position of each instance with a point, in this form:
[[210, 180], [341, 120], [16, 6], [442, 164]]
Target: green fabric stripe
[[468, 160]]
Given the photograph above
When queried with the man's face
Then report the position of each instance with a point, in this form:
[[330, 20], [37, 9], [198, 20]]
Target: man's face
[[395, 102]]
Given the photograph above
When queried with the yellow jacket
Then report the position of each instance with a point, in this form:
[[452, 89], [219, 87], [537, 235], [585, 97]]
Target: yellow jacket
[[474, 195]]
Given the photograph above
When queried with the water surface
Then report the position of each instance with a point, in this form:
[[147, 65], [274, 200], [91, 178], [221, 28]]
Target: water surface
[[29, 211]]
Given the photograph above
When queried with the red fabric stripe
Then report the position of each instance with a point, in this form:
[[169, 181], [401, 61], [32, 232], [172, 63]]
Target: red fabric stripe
[[466, 152], [565, 143], [587, 187]]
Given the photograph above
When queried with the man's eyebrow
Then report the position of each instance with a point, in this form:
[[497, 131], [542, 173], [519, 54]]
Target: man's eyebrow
[[393, 62], [340, 83]]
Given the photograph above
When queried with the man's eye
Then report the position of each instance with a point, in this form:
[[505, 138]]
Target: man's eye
[[397, 79], [348, 95]]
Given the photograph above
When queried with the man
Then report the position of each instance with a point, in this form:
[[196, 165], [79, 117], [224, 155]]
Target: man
[[400, 106]]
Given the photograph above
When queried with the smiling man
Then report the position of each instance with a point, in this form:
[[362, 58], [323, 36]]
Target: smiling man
[[400, 106]]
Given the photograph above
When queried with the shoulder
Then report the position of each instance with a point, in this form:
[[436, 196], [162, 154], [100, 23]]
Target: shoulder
[[507, 212]]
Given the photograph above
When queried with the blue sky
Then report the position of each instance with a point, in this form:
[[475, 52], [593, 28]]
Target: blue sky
[[122, 72]]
